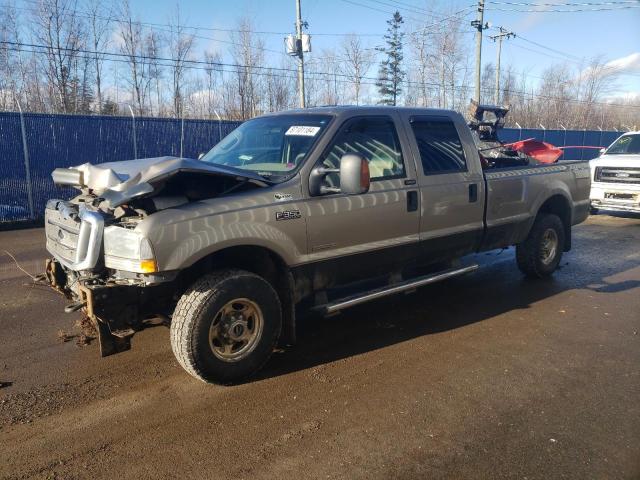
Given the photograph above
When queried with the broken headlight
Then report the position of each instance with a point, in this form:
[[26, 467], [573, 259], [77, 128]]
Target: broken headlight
[[128, 250]]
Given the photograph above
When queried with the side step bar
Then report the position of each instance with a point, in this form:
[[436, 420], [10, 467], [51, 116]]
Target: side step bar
[[410, 284]]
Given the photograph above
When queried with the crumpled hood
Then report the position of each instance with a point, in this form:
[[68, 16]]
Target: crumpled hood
[[118, 182]]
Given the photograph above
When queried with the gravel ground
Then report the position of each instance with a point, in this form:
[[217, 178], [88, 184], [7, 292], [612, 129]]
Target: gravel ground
[[485, 376]]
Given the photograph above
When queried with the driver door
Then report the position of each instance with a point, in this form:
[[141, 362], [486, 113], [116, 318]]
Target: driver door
[[352, 236]]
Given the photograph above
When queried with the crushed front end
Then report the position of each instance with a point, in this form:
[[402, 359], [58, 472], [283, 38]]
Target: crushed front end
[[117, 305]]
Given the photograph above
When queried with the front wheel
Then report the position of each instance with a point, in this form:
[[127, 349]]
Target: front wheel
[[226, 326], [540, 253]]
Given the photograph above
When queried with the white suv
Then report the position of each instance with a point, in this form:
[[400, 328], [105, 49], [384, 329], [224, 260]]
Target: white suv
[[616, 176]]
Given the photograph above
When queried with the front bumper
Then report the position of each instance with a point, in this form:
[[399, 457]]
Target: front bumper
[[115, 310], [615, 197]]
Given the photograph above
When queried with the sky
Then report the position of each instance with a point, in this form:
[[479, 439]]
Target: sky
[[576, 37]]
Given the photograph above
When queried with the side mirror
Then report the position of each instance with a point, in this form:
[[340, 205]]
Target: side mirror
[[602, 150], [354, 174], [354, 177], [200, 155]]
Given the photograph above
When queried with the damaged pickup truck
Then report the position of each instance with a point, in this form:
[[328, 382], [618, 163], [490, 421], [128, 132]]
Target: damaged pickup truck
[[319, 209]]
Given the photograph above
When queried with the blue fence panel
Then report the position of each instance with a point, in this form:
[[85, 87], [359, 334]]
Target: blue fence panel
[[66, 140], [58, 142], [116, 137], [554, 137], [158, 137], [508, 135], [13, 185]]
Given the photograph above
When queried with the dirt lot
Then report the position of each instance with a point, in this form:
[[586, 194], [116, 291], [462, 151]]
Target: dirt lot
[[486, 376]]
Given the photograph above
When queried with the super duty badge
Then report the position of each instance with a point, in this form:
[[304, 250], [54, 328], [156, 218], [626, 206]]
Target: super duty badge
[[288, 215]]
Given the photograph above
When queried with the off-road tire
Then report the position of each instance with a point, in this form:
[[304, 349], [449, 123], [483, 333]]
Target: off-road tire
[[528, 252], [195, 312]]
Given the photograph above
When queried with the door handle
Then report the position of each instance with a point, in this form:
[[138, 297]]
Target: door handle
[[473, 192], [412, 201]]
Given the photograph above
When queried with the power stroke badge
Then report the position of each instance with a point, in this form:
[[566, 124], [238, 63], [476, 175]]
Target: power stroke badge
[[288, 215]]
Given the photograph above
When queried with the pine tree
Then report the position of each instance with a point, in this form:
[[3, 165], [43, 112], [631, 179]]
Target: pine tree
[[391, 74]]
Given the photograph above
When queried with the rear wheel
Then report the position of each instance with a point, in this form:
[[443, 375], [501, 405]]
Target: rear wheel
[[226, 326], [540, 253]]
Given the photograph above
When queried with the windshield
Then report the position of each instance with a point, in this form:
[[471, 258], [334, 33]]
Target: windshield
[[270, 146], [629, 144]]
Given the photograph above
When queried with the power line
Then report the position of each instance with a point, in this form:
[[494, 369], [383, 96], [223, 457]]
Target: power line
[[369, 7], [161, 26], [270, 72], [583, 64], [570, 4], [157, 26], [560, 10]]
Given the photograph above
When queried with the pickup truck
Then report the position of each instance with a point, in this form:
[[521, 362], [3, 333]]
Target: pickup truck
[[308, 210], [615, 176]]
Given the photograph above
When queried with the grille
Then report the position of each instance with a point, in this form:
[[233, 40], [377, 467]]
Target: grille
[[62, 232], [628, 175], [74, 238]]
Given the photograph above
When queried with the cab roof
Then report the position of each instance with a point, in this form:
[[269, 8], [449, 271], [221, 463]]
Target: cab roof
[[341, 110]]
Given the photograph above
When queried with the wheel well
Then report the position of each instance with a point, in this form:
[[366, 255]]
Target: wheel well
[[258, 260], [559, 205]]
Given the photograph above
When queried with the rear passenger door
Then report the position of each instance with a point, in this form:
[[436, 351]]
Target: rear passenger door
[[451, 187]]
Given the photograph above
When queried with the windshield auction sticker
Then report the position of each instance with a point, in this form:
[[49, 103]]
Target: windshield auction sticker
[[302, 130]]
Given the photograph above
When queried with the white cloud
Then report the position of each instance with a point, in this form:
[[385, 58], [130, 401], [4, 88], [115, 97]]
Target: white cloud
[[628, 64], [629, 96], [531, 19]]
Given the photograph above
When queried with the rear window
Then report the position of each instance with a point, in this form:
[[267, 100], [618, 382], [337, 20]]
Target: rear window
[[439, 146]]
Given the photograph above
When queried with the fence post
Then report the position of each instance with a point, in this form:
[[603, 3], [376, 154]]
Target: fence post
[[520, 132], [600, 141], [219, 126], [584, 137], [564, 140], [181, 136], [27, 167], [135, 141]]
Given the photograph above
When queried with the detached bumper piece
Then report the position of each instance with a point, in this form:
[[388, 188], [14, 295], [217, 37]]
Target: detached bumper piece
[[114, 310]]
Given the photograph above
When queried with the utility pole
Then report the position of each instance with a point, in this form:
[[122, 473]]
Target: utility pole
[[504, 33], [479, 25], [300, 54]]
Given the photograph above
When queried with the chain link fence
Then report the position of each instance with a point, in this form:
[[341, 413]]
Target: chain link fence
[[33, 144]]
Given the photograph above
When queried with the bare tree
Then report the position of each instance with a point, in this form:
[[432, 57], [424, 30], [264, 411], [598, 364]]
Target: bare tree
[[248, 53], [132, 46], [57, 26], [99, 20], [420, 44], [213, 72], [153, 50], [180, 46], [358, 60], [279, 89], [9, 68]]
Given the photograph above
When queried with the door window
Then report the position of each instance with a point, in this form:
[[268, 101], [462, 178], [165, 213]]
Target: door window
[[374, 138], [439, 146]]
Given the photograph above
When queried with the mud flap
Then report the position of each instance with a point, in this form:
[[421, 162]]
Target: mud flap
[[109, 343]]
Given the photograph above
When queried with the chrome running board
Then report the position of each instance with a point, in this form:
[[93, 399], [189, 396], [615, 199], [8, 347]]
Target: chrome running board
[[341, 304]]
